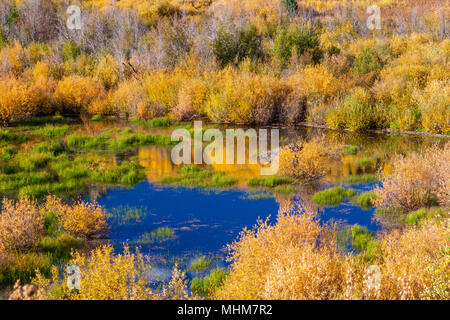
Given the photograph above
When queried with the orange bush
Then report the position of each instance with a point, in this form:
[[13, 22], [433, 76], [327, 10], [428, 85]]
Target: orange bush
[[82, 219], [15, 99], [75, 93]]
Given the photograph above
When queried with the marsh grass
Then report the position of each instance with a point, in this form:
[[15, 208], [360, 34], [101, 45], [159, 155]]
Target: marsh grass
[[364, 162], [52, 148], [7, 153], [350, 150], [359, 178], [332, 196], [7, 137], [22, 266], [127, 173], [286, 189], [161, 122], [419, 216], [34, 161], [123, 141], [59, 247], [160, 234], [125, 214], [365, 199], [205, 286], [193, 176], [269, 181], [52, 132], [200, 264]]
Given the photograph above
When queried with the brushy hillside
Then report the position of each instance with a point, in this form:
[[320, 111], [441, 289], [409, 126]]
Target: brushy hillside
[[230, 61]]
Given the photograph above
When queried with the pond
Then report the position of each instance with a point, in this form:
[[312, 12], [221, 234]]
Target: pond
[[107, 162], [173, 223]]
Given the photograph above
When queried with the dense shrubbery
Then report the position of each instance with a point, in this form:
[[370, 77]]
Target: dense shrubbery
[[417, 180], [168, 59]]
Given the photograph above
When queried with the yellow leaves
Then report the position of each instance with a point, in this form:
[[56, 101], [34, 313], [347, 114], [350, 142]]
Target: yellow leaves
[[307, 160], [75, 93], [434, 105], [82, 219], [418, 180], [14, 99], [21, 225], [191, 100], [105, 276], [294, 259], [108, 71], [316, 81]]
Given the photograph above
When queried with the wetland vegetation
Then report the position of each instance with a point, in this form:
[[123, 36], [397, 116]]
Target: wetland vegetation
[[87, 179]]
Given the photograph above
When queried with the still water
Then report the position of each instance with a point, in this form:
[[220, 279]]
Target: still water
[[178, 223]]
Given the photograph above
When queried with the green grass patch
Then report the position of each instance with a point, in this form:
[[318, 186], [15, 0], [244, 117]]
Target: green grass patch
[[48, 147], [86, 142], [12, 182], [7, 153], [419, 216], [59, 247], [200, 264], [364, 162], [161, 122], [360, 178], [127, 173], [350, 150], [205, 286], [193, 176], [52, 132], [23, 266], [332, 196], [125, 214], [37, 192], [160, 234], [365, 199], [34, 161], [285, 188], [360, 237], [269, 181], [8, 137]]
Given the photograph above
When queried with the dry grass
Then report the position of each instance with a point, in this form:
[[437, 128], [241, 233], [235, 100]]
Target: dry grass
[[21, 225], [417, 180]]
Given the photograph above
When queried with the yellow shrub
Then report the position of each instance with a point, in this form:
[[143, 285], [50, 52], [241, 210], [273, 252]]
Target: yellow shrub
[[407, 258], [319, 86], [191, 100], [307, 160], [21, 225], [434, 105], [105, 276], [108, 71], [129, 98], [102, 106], [14, 100], [13, 59], [42, 88], [83, 219], [244, 97], [75, 93], [418, 180], [161, 91], [297, 258]]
